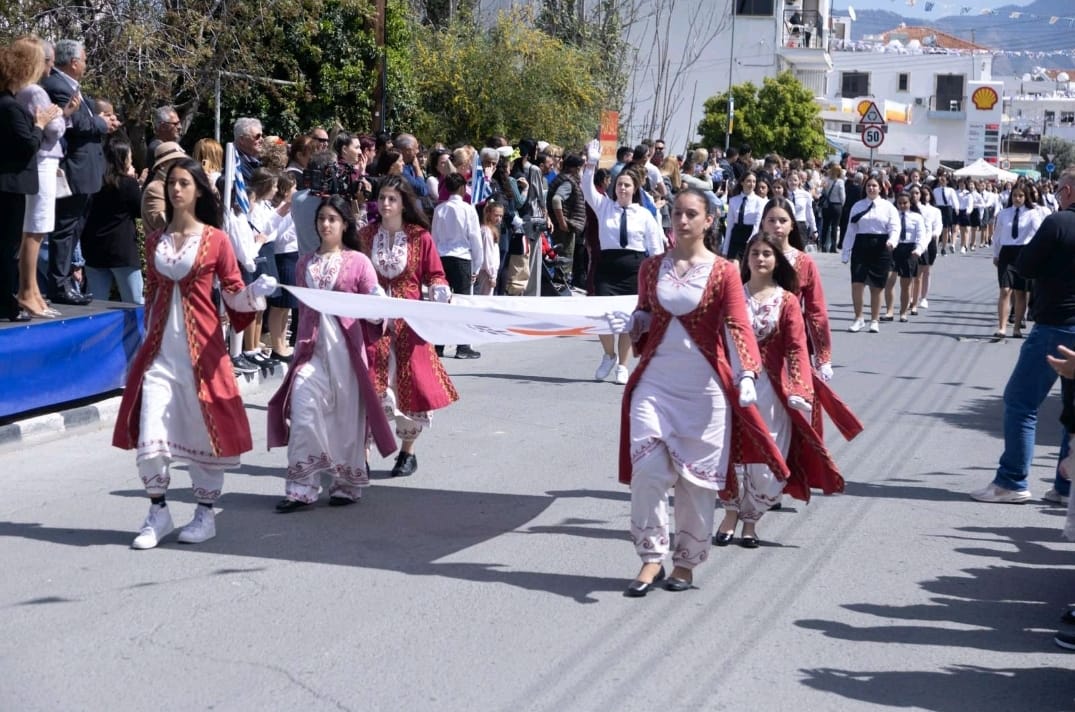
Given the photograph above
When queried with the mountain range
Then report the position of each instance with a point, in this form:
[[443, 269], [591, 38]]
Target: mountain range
[[1029, 33]]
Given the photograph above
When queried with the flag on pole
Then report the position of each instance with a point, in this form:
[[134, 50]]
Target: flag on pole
[[236, 185], [929, 7], [480, 190]]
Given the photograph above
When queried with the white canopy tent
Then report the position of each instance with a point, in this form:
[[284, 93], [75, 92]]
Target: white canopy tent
[[983, 169]]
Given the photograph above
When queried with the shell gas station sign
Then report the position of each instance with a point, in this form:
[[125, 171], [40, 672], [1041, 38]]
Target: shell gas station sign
[[984, 109]]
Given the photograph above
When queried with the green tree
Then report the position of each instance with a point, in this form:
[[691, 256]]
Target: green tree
[[1063, 152], [780, 117], [511, 79]]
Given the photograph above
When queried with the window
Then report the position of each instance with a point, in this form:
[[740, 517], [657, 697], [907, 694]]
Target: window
[[845, 128], [760, 8], [904, 82], [1050, 118], [853, 84], [1067, 118], [949, 95]]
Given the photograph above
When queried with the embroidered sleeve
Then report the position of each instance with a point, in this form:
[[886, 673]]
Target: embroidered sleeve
[[432, 269], [740, 335], [235, 294], [816, 313], [799, 380]]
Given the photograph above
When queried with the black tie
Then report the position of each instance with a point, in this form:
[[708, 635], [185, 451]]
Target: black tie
[[794, 207], [1015, 225], [742, 209], [623, 228], [943, 201], [903, 227]]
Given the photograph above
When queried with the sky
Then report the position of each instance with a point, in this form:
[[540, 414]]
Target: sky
[[942, 8]]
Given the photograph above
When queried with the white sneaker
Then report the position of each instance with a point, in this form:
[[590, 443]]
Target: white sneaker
[[158, 525], [1000, 495], [607, 362], [856, 326], [201, 528], [924, 304], [875, 327], [1055, 497], [621, 375], [962, 250]]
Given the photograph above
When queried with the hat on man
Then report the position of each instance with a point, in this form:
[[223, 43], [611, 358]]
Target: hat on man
[[167, 151]]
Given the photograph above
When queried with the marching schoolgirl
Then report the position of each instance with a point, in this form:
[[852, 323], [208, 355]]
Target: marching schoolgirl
[[1015, 226], [872, 233], [744, 212]]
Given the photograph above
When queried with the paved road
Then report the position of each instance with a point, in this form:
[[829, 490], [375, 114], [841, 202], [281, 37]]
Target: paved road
[[492, 579]]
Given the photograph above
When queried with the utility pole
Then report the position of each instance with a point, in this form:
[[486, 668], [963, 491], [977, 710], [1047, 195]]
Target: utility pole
[[731, 69]]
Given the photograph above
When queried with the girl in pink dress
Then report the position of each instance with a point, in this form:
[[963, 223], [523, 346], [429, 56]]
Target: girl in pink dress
[[327, 406]]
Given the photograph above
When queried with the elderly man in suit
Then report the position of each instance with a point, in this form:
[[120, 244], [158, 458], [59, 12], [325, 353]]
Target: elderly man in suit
[[83, 164]]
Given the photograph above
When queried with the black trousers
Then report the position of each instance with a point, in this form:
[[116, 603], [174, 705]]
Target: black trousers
[[12, 210], [71, 215], [457, 272]]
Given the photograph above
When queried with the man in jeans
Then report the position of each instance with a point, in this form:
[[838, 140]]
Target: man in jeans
[[1049, 260]]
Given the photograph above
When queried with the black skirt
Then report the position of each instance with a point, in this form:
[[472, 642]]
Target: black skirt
[[1007, 277], [871, 261], [616, 273], [947, 215], [285, 270], [737, 242], [264, 263], [930, 255], [906, 261]]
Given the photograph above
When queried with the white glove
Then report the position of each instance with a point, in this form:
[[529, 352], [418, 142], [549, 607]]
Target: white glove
[[800, 404], [825, 371], [378, 291], [593, 151], [440, 293], [747, 394], [618, 322], [263, 286]]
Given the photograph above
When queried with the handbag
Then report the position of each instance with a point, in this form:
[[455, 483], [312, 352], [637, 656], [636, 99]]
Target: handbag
[[63, 188]]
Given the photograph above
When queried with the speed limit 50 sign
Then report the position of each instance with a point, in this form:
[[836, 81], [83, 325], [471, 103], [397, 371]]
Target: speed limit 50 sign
[[872, 136]]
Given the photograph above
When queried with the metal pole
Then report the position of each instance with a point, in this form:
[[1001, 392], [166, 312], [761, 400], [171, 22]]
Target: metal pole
[[216, 121], [871, 160], [731, 68]]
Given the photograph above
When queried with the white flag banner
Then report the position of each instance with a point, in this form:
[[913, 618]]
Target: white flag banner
[[473, 319]]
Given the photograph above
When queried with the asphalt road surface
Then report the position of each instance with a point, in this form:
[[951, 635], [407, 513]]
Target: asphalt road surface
[[492, 579]]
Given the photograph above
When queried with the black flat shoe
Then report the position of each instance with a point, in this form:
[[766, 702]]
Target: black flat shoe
[[285, 506], [749, 542], [406, 465], [467, 352], [281, 358], [638, 589], [20, 316], [341, 501], [73, 299], [723, 538], [677, 584], [885, 317]]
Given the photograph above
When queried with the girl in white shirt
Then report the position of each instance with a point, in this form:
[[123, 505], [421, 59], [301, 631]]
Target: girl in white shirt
[[744, 213], [935, 228], [873, 231], [944, 197], [1015, 226], [965, 200], [913, 243], [803, 202], [627, 233]]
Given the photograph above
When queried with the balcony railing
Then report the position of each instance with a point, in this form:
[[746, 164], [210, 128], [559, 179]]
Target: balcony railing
[[803, 29], [947, 107]]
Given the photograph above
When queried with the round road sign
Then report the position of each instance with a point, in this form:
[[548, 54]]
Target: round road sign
[[1050, 167], [1005, 164], [872, 136]]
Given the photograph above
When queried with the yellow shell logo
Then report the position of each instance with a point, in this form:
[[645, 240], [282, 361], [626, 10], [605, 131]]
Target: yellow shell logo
[[863, 107], [984, 98]]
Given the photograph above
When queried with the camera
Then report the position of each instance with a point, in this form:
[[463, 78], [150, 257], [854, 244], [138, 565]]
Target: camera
[[332, 179]]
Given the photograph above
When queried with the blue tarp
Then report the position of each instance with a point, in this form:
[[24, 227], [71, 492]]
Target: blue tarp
[[49, 363]]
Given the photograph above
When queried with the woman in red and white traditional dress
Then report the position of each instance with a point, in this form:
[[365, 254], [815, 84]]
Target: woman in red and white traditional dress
[[777, 220], [410, 379], [687, 409], [322, 411], [181, 401], [785, 392]]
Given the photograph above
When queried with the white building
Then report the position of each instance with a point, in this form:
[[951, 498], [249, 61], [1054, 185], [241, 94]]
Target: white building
[[923, 75], [755, 39]]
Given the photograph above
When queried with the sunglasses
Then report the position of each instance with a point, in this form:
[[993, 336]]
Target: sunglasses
[[321, 140]]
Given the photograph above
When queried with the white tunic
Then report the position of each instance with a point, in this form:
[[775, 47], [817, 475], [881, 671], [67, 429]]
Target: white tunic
[[172, 425], [764, 318], [678, 401]]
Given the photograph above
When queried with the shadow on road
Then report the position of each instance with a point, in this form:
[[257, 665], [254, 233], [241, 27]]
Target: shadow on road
[[1000, 608], [407, 530]]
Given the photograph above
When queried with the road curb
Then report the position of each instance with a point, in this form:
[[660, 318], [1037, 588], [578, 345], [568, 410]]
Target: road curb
[[52, 426]]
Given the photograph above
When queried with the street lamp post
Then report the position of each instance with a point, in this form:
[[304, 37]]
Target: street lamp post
[[731, 67]]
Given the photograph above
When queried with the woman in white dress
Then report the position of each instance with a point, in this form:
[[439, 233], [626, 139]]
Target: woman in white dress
[[181, 401], [40, 216], [321, 411], [686, 410]]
